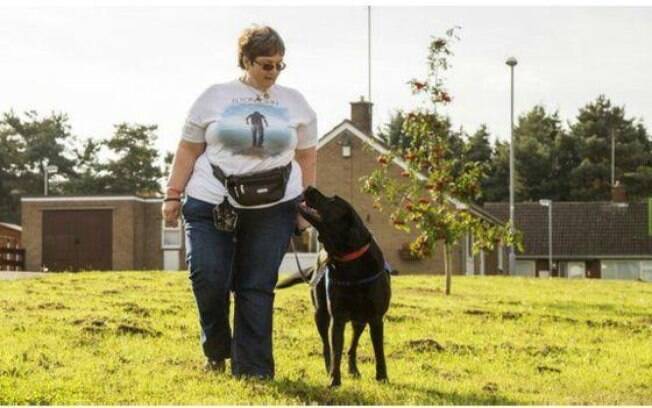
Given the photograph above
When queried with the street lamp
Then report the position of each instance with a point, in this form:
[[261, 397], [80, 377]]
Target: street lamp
[[51, 169], [548, 203], [511, 61]]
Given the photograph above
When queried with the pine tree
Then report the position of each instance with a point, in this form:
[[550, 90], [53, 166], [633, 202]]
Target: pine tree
[[592, 131]]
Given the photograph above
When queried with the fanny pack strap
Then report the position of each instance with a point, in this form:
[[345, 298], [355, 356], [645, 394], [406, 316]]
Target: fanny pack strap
[[219, 174], [224, 179]]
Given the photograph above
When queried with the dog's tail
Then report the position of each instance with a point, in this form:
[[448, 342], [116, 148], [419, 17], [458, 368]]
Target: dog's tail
[[295, 278]]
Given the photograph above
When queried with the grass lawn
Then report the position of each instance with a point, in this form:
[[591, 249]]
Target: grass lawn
[[132, 338]]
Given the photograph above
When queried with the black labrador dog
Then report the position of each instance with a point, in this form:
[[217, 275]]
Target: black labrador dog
[[355, 285]]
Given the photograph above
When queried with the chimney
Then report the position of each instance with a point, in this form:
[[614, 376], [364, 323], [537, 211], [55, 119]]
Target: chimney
[[361, 115], [618, 194]]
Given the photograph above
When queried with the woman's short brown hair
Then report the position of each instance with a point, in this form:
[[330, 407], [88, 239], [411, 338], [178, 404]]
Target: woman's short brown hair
[[259, 41]]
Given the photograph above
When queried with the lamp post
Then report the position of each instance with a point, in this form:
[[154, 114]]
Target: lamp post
[[51, 169], [548, 203], [511, 62]]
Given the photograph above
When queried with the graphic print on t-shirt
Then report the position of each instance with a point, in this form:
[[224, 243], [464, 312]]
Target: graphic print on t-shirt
[[255, 129]]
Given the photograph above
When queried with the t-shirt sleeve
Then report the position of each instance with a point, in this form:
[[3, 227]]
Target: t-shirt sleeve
[[307, 128], [194, 128]]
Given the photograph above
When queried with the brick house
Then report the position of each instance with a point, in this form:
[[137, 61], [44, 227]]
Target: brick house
[[11, 252], [348, 152], [10, 235], [98, 233], [608, 240]]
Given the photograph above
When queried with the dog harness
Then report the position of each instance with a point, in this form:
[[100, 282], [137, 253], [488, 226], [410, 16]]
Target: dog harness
[[352, 283]]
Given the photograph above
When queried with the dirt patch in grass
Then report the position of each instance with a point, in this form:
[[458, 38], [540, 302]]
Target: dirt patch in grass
[[477, 312], [133, 308], [396, 319], [560, 319], [461, 349], [110, 292], [405, 305], [174, 309], [609, 323], [511, 315], [510, 302], [490, 387], [546, 350], [135, 329], [424, 346], [4, 305], [93, 326], [425, 291], [52, 306], [546, 369]]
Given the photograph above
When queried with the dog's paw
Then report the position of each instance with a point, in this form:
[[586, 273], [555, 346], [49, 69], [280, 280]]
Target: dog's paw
[[335, 383], [382, 379]]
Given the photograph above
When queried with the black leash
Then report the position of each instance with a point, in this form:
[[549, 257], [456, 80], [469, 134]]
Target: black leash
[[296, 256]]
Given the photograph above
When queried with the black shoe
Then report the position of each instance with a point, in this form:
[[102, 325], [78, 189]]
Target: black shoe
[[217, 366]]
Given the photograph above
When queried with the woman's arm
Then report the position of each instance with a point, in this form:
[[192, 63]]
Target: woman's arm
[[182, 166], [307, 159]]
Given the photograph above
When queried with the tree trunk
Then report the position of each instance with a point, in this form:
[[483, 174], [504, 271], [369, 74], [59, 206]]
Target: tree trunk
[[447, 267]]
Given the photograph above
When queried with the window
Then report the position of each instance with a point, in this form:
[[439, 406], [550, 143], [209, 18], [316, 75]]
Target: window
[[646, 270], [170, 236], [626, 269], [576, 270], [524, 268]]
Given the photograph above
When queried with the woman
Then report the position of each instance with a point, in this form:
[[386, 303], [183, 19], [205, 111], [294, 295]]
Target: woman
[[249, 126]]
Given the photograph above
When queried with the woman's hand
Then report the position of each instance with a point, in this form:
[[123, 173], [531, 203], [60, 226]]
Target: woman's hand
[[170, 211], [302, 224], [182, 165]]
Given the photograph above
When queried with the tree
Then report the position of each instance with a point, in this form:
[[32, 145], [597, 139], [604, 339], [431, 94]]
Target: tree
[[425, 197], [29, 143], [392, 132], [90, 177], [478, 149], [495, 187], [479, 146], [10, 165], [536, 136], [134, 170], [592, 131]]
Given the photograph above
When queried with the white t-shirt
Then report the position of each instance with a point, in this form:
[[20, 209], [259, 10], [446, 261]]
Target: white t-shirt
[[246, 132]]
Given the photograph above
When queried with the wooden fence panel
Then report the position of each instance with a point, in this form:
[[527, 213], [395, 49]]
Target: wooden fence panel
[[12, 259]]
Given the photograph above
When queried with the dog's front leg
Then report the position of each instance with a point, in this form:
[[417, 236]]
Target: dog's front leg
[[337, 344], [376, 329], [323, 321], [358, 328]]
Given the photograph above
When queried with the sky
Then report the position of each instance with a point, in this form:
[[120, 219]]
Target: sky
[[146, 64]]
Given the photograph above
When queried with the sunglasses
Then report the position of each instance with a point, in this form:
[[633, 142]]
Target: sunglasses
[[266, 66]]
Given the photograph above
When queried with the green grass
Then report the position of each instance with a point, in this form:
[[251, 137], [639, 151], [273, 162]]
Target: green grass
[[132, 338]]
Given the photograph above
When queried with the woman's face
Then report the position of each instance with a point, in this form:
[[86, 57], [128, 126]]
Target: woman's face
[[264, 70]]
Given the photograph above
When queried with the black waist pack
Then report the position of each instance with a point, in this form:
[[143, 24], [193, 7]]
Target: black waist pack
[[256, 188]]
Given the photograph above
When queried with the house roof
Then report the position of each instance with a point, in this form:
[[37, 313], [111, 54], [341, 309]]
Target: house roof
[[43, 199], [11, 226], [378, 145], [587, 229]]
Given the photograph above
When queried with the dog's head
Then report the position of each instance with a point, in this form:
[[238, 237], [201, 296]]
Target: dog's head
[[340, 228]]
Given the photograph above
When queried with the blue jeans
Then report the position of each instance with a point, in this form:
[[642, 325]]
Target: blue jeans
[[246, 263]]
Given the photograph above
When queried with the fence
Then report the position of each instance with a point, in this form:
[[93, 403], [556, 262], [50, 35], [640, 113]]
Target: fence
[[12, 259]]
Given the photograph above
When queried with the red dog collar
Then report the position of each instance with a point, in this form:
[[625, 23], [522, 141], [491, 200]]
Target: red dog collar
[[353, 255]]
